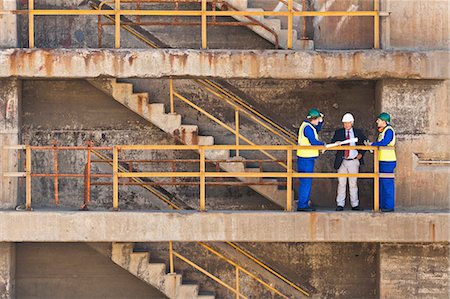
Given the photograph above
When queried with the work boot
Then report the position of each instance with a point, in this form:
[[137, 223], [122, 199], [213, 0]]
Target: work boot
[[339, 208], [307, 209], [357, 208]]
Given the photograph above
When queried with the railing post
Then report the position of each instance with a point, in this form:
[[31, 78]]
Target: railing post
[[376, 182], [171, 266], [204, 40], [289, 180], [290, 20], [238, 295], [376, 24], [115, 178], [202, 180], [237, 134], [31, 23], [117, 23], [28, 177], [88, 175], [55, 170], [172, 108]]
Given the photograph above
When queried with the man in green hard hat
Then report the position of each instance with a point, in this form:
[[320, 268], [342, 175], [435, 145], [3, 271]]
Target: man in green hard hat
[[307, 136], [387, 161]]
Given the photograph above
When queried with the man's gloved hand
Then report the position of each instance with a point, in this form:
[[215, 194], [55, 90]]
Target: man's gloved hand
[[367, 143], [321, 117]]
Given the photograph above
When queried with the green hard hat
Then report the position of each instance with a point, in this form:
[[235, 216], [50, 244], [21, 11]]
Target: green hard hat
[[314, 113], [384, 116]]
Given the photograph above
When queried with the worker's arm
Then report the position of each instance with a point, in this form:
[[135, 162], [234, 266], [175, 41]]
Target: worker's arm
[[334, 139], [388, 136], [361, 139], [319, 126], [309, 133]]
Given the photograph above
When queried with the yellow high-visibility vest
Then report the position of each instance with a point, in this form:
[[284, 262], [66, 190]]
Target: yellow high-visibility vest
[[387, 155], [303, 140]]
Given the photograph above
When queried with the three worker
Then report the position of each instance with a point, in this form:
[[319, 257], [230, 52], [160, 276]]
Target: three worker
[[347, 161]]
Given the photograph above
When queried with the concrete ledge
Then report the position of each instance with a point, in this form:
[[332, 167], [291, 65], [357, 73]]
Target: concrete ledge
[[48, 226], [158, 63]]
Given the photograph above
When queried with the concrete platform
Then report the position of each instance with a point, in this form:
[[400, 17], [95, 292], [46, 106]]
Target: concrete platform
[[187, 226], [246, 64]]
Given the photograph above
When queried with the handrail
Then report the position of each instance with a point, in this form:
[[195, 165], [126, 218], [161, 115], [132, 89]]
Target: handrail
[[222, 124], [203, 13]]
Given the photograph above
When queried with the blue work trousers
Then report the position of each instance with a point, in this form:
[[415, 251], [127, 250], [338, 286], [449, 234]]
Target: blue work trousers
[[304, 165], [387, 185]]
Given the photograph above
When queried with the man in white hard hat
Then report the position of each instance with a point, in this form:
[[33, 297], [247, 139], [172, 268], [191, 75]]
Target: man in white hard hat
[[348, 161]]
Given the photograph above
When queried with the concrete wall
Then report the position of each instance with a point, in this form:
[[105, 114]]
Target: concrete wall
[[8, 25], [55, 270], [343, 32], [417, 24], [7, 270], [414, 271], [420, 114], [10, 100]]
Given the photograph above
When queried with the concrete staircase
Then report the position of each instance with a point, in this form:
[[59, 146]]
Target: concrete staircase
[[188, 134], [277, 24], [155, 274]]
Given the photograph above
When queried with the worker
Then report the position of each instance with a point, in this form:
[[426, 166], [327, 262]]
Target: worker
[[348, 161], [387, 161], [307, 136]]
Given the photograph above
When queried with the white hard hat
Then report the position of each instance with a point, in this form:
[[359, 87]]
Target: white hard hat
[[348, 117]]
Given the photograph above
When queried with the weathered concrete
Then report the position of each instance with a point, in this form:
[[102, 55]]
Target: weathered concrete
[[10, 94], [417, 24], [420, 112], [38, 63], [223, 226], [8, 25], [74, 270], [414, 271], [7, 270]]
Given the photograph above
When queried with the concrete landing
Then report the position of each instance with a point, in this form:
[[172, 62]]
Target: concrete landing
[[245, 64], [187, 226]]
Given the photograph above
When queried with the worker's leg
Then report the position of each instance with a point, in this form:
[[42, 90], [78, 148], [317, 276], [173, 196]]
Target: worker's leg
[[353, 167], [388, 185], [304, 165], [342, 185]]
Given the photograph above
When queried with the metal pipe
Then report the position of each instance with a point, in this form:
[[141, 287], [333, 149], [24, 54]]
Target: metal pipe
[[204, 33], [115, 178], [28, 178], [202, 180]]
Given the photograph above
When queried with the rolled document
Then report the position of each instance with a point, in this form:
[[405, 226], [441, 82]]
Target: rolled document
[[348, 141]]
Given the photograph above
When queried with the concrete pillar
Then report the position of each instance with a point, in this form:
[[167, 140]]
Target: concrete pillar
[[10, 92], [7, 270], [420, 112], [8, 25], [414, 271]]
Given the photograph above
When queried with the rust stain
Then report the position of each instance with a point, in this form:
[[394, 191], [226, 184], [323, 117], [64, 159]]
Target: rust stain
[[131, 59], [140, 103], [433, 231], [48, 63], [312, 225]]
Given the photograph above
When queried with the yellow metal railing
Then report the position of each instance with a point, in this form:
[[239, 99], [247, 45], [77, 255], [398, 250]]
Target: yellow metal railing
[[202, 174], [289, 175], [117, 12], [238, 271]]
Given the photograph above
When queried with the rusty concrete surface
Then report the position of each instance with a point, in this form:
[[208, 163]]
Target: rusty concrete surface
[[157, 63], [186, 226]]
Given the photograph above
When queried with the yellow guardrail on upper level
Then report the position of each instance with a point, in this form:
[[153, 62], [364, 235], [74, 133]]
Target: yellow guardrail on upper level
[[202, 174], [117, 12]]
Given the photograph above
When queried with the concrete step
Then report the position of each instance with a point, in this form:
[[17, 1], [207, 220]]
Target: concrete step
[[206, 297], [274, 24], [188, 134], [257, 18], [187, 291]]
